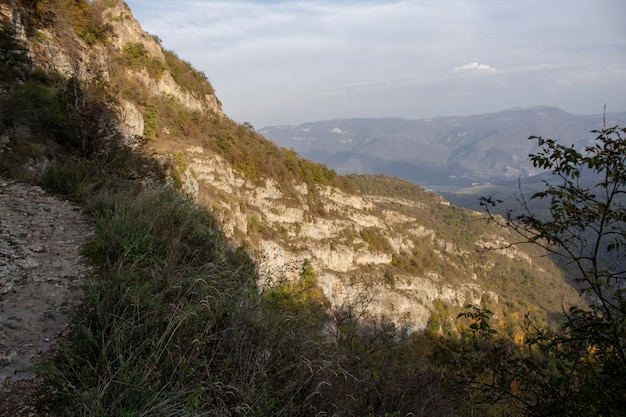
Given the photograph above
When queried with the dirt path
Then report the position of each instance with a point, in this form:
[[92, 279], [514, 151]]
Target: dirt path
[[40, 271]]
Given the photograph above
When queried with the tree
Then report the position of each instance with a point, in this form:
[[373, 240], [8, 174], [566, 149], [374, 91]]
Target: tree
[[586, 229]]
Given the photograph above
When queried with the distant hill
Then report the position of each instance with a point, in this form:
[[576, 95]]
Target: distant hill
[[441, 153]]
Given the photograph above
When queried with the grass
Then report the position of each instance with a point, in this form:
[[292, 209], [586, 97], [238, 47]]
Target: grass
[[164, 292], [172, 323]]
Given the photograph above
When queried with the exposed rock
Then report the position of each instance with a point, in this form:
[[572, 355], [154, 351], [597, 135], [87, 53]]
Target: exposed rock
[[68, 55], [132, 123], [332, 244], [504, 247], [128, 30], [10, 13]]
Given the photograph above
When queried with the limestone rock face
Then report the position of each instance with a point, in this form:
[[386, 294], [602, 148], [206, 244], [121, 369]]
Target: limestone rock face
[[60, 52], [70, 56], [128, 30], [284, 231], [11, 14], [131, 119], [400, 257]]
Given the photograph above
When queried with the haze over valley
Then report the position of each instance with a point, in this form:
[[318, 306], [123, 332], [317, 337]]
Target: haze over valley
[[289, 62], [442, 153]]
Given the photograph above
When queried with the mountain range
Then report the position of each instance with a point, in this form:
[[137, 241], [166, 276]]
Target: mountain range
[[443, 153]]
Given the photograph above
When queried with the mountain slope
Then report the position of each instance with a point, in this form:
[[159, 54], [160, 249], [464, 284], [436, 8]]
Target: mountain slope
[[403, 249]]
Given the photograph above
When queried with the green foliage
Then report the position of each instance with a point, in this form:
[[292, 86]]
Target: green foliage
[[34, 106], [484, 372], [150, 121], [14, 60], [302, 297], [440, 322], [71, 179], [383, 185], [148, 325], [376, 241], [135, 54], [178, 167], [46, 119], [82, 17], [479, 321], [186, 76], [256, 157], [578, 370], [389, 279], [253, 223], [314, 173]]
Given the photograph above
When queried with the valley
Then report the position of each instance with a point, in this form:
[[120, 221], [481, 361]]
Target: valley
[[442, 154]]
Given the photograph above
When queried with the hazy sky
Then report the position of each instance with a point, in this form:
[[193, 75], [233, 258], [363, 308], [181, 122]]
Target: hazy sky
[[277, 62]]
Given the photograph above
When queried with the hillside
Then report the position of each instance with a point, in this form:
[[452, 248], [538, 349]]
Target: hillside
[[286, 210], [441, 153], [411, 246], [231, 276]]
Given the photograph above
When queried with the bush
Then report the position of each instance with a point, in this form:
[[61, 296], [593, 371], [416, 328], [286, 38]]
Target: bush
[[150, 121], [14, 61], [81, 17]]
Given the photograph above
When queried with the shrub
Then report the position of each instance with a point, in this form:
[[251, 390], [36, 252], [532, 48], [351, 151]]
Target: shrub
[[150, 121]]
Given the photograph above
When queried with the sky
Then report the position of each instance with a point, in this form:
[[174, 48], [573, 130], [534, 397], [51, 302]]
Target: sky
[[279, 62]]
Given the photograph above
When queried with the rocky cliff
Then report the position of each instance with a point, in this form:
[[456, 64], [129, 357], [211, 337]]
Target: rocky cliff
[[386, 244]]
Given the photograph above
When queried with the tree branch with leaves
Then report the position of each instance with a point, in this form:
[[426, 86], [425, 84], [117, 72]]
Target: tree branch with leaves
[[585, 229]]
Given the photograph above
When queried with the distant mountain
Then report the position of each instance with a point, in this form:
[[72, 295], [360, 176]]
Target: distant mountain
[[440, 153]]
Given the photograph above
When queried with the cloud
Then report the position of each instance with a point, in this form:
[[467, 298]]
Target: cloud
[[474, 67], [359, 87]]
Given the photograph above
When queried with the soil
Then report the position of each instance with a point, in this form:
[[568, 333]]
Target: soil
[[41, 271]]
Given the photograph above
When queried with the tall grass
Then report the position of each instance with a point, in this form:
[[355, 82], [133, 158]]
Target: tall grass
[[165, 291], [172, 323]]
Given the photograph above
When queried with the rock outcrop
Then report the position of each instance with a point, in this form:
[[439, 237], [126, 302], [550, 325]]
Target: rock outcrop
[[284, 232]]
